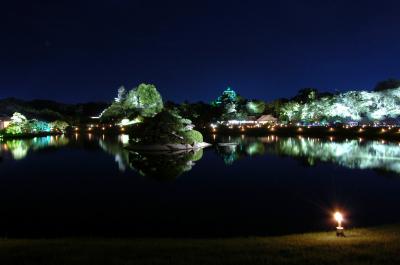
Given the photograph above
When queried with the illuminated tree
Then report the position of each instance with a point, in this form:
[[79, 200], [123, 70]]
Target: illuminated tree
[[169, 127], [349, 106], [255, 107], [143, 101], [35, 126], [19, 124], [59, 125]]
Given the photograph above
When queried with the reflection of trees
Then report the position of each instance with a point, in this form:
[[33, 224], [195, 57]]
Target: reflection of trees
[[164, 166], [19, 148], [117, 150], [351, 154], [243, 147]]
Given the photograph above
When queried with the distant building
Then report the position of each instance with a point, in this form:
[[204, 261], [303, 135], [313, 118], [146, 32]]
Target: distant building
[[4, 122], [267, 119]]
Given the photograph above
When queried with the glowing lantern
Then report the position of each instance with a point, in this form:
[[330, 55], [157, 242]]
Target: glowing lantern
[[339, 229]]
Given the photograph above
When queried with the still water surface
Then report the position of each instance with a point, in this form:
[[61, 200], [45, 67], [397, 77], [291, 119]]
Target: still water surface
[[89, 185]]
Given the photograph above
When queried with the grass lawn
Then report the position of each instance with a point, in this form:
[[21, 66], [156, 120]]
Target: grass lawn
[[361, 246]]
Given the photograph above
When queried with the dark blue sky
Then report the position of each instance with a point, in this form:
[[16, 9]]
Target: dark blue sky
[[78, 51]]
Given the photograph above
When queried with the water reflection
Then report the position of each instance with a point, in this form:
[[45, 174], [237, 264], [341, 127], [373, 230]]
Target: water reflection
[[350, 153], [354, 154], [164, 166], [234, 148], [160, 166], [19, 149], [116, 148]]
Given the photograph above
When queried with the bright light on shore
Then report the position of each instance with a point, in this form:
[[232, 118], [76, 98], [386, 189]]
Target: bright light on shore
[[338, 217], [339, 229]]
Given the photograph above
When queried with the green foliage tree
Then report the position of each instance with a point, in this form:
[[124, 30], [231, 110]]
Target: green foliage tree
[[19, 124], [143, 101], [255, 107], [305, 95], [59, 125], [35, 126], [168, 127]]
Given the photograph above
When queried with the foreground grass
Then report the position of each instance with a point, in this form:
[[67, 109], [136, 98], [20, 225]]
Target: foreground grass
[[361, 246]]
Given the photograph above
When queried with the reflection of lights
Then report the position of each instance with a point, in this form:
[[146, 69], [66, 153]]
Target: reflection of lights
[[214, 136], [124, 139], [331, 129], [360, 130], [331, 138], [299, 129]]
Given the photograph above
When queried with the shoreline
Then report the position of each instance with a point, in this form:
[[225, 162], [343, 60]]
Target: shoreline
[[28, 136], [373, 245], [338, 133], [367, 133]]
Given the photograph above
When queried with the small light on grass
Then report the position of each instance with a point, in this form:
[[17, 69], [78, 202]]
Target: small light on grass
[[339, 229]]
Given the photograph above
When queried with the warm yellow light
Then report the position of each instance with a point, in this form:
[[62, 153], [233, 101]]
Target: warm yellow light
[[339, 218], [331, 129], [383, 130]]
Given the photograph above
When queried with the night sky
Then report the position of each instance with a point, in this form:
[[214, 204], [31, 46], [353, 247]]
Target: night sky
[[77, 51]]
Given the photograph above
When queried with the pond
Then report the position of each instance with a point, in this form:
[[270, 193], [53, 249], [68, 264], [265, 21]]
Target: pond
[[88, 185]]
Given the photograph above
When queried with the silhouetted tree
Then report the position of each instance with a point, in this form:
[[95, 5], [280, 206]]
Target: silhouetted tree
[[387, 84]]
